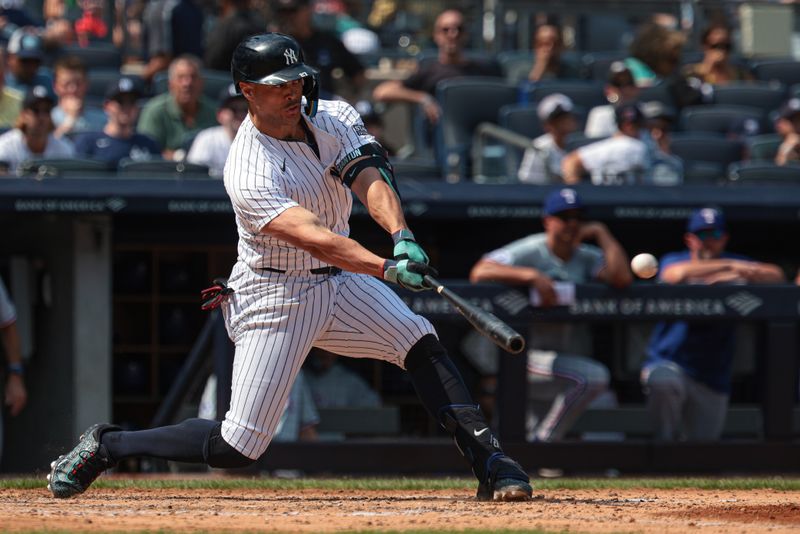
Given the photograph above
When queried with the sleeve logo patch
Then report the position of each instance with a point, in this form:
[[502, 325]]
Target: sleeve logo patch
[[360, 129]]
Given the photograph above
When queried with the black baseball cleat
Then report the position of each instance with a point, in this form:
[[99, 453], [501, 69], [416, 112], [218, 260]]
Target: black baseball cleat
[[72, 473], [507, 482]]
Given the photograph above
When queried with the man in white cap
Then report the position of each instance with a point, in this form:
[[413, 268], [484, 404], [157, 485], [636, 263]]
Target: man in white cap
[[541, 163]]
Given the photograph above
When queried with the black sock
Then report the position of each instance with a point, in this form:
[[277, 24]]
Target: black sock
[[183, 442]]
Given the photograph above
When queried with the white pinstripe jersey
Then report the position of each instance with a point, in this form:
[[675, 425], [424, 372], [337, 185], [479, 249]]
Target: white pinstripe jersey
[[265, 176]]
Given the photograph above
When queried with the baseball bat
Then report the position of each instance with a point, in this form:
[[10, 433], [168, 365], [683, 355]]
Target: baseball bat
[[484, 322]]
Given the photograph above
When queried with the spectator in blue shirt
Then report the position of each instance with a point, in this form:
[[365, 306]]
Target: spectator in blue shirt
[[119, 139], [687, 371]]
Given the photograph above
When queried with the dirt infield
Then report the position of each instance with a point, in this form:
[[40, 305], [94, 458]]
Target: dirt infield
[[669, 511]]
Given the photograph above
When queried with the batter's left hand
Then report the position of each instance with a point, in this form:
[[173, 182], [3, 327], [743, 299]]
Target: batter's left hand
[[407, 248]]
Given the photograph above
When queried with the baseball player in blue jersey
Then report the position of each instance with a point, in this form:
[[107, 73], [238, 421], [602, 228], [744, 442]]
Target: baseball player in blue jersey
[[300, 282]]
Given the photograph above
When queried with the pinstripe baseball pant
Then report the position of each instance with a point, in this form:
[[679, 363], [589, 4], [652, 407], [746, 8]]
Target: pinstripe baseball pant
[[275, 318]]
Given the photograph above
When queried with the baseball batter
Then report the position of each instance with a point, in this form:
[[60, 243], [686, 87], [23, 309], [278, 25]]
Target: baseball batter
[[300, 282]]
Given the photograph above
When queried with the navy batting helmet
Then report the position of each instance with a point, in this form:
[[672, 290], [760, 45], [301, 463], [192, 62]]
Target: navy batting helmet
[[274, 59]]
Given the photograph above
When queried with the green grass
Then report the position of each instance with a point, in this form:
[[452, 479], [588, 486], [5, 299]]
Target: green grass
[[411, 484]]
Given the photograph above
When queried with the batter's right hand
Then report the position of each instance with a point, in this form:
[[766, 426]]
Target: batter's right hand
[[407, 273]]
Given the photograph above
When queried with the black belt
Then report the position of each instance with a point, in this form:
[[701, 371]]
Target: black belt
[[329, 270]]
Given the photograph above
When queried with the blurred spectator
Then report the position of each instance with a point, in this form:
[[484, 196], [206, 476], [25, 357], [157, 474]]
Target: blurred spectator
[[655, 54], [13, 16], [70, 85], [373, 123], [541, 163], [560, 371], [687, 372], [211, 146], [321, 49], [91, 26], [716, 67], [175, 117], [621, 159], [620, 89], [10, 99], [171, 29], [335, 386], [33, 135], [548, 44], [788, 126], [420, 88], [25, 56], [300, 417], [16, 396], [119, 139], [237, 21], [666, 168]]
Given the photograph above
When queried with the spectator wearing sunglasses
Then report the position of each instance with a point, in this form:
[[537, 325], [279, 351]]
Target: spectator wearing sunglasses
[[541, 163], [564, 379], [419, 88], [33, 135], [687, 371], [620, 89], [716, 67]]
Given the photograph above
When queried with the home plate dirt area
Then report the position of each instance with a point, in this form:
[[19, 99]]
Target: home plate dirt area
[[451, 510]]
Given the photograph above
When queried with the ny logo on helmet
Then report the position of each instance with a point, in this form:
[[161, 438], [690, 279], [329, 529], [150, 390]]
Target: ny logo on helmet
[[290, 56]]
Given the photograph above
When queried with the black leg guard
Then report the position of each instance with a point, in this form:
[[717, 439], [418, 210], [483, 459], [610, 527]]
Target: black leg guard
[[217, 452], [444, 395]]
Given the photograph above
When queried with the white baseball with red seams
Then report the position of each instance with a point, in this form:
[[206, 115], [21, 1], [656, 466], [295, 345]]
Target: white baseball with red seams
[[644, 265]]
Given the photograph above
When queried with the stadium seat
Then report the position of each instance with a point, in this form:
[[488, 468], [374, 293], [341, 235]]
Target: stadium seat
[[785, 71], [416, 169], [214, 81], [695, 148], [157, 168], [721, 119], [764, 147], [521, 119], [584, 93], [96, 56], [515, 64], [595, 65], [656, 93], [63, 168], [603, 30], [764, 173], [702, 173], [767, 96], [466, 102]]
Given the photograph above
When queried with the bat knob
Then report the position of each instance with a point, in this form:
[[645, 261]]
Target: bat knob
[[516, 344]]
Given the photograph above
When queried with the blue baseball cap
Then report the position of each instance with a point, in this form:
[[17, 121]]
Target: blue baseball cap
[[706, 219], [562, 200]]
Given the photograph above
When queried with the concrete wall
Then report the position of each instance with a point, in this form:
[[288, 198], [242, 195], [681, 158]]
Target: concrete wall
[[69, 372]]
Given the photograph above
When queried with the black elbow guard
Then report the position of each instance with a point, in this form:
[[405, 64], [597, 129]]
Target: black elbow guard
[[371, 155]]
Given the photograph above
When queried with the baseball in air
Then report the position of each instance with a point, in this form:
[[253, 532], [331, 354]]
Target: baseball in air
[[644, 265]]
